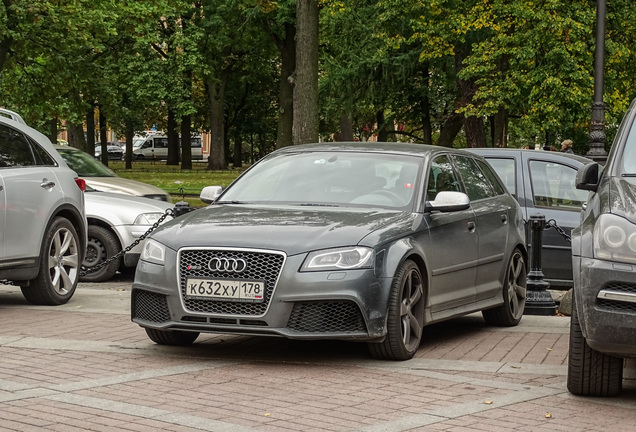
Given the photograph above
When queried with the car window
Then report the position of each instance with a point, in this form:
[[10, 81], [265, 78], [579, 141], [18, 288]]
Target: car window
[[475, 182], [491, 176], [161, 142], [324, 178], [629, 153], [553, 186], [15, 150], [441, 177], [506, 169], [84, 164]]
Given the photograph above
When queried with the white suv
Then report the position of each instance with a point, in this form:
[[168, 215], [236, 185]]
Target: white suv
[[42, 221]]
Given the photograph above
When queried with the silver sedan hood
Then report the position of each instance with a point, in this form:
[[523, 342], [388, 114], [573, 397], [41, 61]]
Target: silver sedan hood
[[123, 186], [118, 209]]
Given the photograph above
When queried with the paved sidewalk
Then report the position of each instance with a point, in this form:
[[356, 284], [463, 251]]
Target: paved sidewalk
[[85, 366]]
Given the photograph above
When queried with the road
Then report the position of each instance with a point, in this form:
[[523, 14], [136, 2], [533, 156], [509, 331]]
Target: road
[[86, 366]]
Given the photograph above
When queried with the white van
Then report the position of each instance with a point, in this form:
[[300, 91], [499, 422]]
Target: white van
[[155, 146]]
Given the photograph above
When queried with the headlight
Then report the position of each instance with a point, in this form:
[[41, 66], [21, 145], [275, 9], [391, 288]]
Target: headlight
[[348, 258], [153, 252], [147, 218], [615, 239]]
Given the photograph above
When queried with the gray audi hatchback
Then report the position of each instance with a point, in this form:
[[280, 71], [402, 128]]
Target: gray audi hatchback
[[356, 241]]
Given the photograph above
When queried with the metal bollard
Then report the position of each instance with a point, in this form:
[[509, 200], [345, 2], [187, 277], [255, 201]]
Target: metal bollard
[[181, 208], [538, 300]]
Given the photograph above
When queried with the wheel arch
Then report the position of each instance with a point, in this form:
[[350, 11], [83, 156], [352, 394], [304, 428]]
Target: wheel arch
[[103, 224], [70, 213]]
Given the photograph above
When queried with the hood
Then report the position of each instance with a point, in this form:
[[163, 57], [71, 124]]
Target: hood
[[293, 230], [123, 186], [120, 209], [623, 197]]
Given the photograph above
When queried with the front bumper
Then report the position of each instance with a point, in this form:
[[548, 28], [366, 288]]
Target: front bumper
[[346, 305], [606, 305]]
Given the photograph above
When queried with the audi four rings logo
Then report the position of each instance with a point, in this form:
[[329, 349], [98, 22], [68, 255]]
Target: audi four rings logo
[[228, 265]]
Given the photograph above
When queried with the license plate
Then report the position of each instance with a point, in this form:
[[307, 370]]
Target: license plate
[[226, 289]]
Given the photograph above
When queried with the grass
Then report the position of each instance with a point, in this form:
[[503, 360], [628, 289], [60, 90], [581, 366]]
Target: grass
[[174, 180]]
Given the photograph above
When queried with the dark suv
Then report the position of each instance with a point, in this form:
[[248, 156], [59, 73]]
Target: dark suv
[[603, 327], [42, 219]]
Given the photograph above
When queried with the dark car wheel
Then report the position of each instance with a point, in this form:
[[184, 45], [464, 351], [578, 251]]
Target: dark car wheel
[[591, 373], [59, 266], [172, 337], [405, 319], [102, 244], [514, 294]]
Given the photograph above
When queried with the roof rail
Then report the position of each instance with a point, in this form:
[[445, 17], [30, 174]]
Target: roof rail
[[12, 115]]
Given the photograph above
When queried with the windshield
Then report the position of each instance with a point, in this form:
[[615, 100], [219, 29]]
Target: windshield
[[329, 179], [84, 164]]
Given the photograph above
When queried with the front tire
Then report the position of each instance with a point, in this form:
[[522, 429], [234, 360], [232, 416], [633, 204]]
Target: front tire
[[59, 266], [172, 337], [590, 372], [102, 244], [405, 320], [514, 294]]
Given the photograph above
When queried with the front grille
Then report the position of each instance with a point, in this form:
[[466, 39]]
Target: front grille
[[265, 266], [149, 306], [326, 317], [620, 287]]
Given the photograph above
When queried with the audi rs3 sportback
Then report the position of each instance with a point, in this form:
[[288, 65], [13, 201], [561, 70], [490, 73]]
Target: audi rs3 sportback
[[355, 241]]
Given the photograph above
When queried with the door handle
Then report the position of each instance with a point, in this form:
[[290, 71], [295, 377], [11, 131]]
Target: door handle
[[47, 184], [1, 188], [471, 226], [504, 218]]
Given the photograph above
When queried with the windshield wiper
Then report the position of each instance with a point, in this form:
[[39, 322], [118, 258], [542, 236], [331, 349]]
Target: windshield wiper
[[318, 205], [231, 202]]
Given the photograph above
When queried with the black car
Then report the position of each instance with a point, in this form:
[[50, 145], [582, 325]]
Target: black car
[[544, 183], [115, 152], [603, 327], [354, 241]]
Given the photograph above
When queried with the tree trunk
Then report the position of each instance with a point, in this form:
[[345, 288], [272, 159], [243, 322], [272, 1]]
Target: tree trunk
[[286, 90], [173, 139], [76, 136], [237, 157], [130, 136], [102, 136], [427, 128], [383, 133], [306, 86], [216, 97], [449, 130], [90, 131], [475, 132], [346, 128], [500, 128], [186, 143], [53, 130]]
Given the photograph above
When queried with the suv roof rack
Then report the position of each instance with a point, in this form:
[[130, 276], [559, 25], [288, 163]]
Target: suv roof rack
[[12, 115]]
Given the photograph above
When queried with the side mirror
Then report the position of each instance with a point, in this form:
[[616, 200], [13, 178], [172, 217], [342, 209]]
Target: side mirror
[[448, 201], [209, 194], [587, 177]]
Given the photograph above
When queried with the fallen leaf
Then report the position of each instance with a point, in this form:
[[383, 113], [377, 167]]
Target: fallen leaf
[[267, 414], [548, 415], [488, 402], [516, 367], [549, 349]]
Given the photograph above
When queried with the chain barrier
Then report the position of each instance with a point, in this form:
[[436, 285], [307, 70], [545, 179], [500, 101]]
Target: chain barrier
[[87, 270], [552, 224]]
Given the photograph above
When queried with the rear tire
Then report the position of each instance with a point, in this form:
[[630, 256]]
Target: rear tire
[[590, 372], [102, 244], [172, 337], [59, 266], [514, 294], [405, 320]]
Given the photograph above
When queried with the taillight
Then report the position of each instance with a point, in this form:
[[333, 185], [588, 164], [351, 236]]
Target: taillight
[[81, 183]]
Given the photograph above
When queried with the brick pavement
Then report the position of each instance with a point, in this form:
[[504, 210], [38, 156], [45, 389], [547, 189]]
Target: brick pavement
[[85, 367]]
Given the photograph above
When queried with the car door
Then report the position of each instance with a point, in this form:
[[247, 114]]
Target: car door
[[30, 192], [494, 210], [551, 192], [451, 246]]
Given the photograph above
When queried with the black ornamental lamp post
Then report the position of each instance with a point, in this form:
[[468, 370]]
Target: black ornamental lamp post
[[597, 132]]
